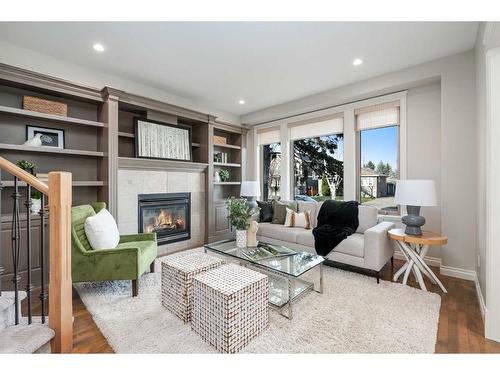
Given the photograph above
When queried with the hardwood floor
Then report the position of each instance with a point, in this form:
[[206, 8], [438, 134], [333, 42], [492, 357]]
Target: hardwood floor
[[460, 324]]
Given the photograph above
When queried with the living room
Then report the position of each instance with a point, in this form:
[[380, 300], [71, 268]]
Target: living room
[[333, 200]]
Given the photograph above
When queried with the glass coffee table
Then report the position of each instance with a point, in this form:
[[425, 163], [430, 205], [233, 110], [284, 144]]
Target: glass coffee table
[[282, 265]]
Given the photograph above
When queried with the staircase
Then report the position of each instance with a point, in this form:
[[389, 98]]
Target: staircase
[[37, 334], [23, 338]]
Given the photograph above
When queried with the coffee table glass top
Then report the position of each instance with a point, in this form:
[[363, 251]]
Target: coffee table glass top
[[275, 257]]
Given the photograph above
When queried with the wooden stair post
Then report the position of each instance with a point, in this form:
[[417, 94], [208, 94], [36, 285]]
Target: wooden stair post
[[60, 285]]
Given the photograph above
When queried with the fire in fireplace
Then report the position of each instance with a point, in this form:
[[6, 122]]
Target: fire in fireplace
[[167, 215]]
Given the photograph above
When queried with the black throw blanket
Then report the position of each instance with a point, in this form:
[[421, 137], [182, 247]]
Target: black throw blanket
[[336, 221]]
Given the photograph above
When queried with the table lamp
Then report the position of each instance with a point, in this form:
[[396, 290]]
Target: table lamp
[[414, 194], [250, 190]]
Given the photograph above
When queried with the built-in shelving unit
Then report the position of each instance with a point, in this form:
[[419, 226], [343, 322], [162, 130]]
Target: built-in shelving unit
[[84, 154], [226, 143]]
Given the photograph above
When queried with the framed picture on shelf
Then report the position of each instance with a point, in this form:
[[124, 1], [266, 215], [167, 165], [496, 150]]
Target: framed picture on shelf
[[159, 140], [50, 137]]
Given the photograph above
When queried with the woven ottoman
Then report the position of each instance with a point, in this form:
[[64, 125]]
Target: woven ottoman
[[230, 306], [177, 272]]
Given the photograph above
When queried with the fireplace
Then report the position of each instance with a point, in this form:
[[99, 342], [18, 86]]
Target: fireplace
[[167, 215]]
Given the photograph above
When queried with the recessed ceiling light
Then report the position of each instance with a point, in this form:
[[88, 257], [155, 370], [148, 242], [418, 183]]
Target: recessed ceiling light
[[241, 101], [98, 47], [357, 62]]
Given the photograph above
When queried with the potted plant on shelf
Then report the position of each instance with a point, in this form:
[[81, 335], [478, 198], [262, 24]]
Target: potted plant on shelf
[[240, 213], [36, 196], [27, 166], [224, 175]]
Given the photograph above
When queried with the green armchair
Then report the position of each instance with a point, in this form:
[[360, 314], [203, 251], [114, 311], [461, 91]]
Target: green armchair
[[128, 261]]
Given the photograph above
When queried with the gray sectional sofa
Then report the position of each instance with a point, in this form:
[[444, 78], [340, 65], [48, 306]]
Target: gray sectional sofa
[[368, 249]]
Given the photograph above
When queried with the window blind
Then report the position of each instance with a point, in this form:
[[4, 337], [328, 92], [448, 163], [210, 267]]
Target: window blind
[[377, 116], [317, 127], [268, 136]]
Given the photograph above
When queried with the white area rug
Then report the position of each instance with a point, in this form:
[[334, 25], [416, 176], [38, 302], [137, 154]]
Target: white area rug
[[353, 315]]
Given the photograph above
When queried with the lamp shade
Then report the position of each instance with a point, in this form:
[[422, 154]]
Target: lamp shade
[[415, 193], [250, 189]]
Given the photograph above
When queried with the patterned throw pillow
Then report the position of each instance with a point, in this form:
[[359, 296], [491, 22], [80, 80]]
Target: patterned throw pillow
[[266, 211], [279, 210], [298, 220]]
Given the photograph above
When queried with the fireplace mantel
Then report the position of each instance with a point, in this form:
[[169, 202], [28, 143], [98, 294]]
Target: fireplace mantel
[[155, 164]]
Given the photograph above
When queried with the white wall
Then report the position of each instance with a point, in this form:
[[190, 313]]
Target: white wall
[[45, 64], [480, 56], [448, 151], [423, 128]]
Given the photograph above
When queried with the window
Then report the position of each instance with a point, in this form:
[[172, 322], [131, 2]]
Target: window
[[319, 167], [378, 129], [271, 171]]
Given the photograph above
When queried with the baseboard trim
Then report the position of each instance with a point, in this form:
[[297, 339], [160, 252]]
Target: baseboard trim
[[459, 273], [431, 261], [480, 298]]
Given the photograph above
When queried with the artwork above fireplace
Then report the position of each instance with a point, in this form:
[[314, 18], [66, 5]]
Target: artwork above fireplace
[[168, 215]]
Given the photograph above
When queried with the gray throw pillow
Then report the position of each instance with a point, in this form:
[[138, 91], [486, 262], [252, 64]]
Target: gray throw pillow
[[279, 208]]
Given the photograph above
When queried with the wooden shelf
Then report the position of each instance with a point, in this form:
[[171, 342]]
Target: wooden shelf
[[235, 147], [228, 183], [48, 117], [75, 183], [126, 135], [50, 150], [132, 135], [236, 165]]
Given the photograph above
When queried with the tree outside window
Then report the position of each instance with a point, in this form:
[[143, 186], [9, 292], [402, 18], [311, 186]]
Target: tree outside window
[[271, 169], [319, 168]]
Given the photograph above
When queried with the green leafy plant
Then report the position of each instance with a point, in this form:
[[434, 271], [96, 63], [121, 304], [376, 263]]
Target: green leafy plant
[[26, 165], [240, 212], [224, 175], [36, 195]]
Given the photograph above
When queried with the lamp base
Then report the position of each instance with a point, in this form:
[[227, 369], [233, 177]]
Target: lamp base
[[413, 221], [252, 202]]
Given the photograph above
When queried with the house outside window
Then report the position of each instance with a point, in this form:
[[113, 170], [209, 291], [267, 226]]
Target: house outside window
[[378, 128]]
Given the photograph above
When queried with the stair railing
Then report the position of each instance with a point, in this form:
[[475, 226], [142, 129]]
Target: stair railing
[[58, 191]]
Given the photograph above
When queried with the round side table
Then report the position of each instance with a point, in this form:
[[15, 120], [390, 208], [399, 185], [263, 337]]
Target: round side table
[[414, 250]]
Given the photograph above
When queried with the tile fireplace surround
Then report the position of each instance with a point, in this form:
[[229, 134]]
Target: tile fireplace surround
[[131, 183]]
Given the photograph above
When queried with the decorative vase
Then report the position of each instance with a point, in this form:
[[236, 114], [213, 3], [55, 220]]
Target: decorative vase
[[241, 238], [252, 234], [216, 177], [36, 205]]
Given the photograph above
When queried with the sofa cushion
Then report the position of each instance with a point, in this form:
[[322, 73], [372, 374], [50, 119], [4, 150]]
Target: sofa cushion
[[279, 232], [367, 216], [313, 207], [353, 245], [266, 211], [306, 238], [279, 210]]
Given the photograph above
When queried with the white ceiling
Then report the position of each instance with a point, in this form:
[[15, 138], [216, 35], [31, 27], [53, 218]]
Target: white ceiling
[[263, 63]]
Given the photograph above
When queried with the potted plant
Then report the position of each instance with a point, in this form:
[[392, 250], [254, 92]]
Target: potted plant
[[36, 202], [27, 166], [240, 213], [224, 175], [36, 196]]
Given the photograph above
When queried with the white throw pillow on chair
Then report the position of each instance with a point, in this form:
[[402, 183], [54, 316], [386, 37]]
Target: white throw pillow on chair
[[101, 230]]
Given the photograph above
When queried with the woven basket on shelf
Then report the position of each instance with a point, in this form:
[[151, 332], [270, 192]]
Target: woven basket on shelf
[[219, 140], [35, 104]]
